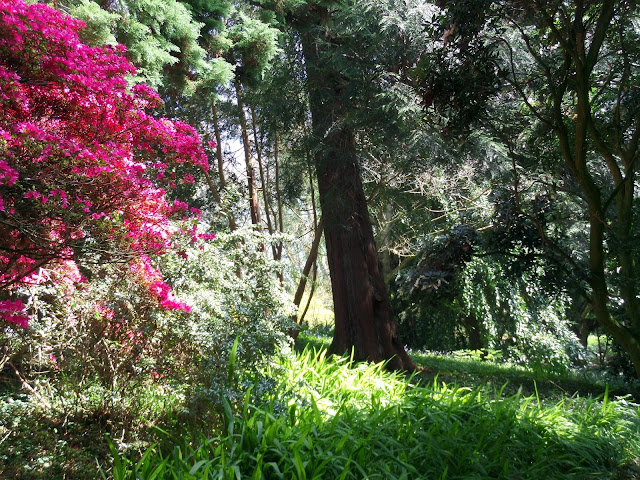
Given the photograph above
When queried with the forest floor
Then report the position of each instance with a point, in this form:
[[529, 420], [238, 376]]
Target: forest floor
[[577, 397]]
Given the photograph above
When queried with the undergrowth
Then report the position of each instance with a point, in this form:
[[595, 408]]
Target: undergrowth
[[333, 419]]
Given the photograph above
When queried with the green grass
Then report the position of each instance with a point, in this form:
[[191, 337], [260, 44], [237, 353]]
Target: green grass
[[467, 368], [469, 371], [329, 418], [318, 338]]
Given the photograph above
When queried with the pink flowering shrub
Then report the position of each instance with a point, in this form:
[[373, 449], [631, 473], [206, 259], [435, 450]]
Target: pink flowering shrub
[[13, 311], [152, 279], [84, 165], [114, 331]]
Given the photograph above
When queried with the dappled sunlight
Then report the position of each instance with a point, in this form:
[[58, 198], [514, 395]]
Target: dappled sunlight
[[464, 429], [331, 418], [199, 199]]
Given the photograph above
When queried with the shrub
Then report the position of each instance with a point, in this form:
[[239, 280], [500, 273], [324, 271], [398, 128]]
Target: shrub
[[447, 302]]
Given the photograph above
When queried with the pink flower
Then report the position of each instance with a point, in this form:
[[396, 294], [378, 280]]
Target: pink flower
[[13, 311], [8, 176], [54, 360], [187, 179], [93, 164]]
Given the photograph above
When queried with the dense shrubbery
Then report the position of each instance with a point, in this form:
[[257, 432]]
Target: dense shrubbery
[[234, 293], [90, 328], [134, 365]]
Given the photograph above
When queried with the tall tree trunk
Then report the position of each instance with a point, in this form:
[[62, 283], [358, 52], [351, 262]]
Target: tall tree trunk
[[600, 295], [625, 336], [254, 204], [579, 62], [384, 236], [280, 213], [263, 180], [361, 301], [220, 164], [314, 278], [628, 275], [312, 257], [276, 250], [278, 216], [312, 189], [216, 131], [311, 260]]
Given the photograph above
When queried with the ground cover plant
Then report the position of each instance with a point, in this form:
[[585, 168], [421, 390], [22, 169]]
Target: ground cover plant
[[333, 418]]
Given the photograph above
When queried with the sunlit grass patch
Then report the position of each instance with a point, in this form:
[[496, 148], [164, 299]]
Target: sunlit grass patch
[[470, 370], [317, 338], [331, 418]]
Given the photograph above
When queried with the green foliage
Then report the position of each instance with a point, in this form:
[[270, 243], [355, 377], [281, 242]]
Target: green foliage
[[557, 91], [161, 37], [100, 23], [330, 418], [528, 325], [95, 359], [253, 45], [458, 78], [103, 359], [63, 439], [486, 278], [235, 296], [454, 297], [212, 14]]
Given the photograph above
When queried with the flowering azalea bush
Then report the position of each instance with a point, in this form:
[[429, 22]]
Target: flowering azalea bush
[[84, 165]]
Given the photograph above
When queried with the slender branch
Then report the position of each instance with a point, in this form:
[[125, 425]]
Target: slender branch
[[26, 385], [603, 25], [311, 258]]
